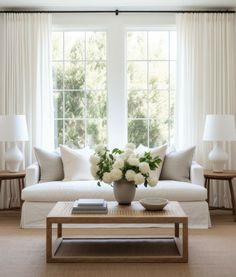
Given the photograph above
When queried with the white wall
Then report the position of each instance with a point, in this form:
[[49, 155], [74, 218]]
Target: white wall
[[106, 19]]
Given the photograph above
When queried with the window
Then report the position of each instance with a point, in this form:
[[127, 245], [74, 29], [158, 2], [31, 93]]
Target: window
[[114, 82], [151, 62], [80, 87]]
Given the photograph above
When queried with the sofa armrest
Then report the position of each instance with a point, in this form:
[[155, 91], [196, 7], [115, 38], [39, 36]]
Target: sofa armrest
[[32, 175], [197, 174]]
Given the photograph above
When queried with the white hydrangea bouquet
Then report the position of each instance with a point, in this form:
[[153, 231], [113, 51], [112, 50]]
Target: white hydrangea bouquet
[[111, 166]]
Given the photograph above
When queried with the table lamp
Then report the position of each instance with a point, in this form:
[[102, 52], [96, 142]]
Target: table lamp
[[219, 128], [13, 128]]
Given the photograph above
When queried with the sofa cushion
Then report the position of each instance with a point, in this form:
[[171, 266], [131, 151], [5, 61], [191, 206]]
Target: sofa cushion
[[158, 151], [69, 191], [76, 163], [177, 164], [50, 164]]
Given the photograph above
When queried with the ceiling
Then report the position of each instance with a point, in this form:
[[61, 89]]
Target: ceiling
[[115, 4]]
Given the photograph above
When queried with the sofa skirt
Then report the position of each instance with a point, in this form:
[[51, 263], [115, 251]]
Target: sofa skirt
[[33, 215]]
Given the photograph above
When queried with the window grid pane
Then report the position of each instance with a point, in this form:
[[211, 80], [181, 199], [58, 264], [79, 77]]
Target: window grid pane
[[155, 113], [79, 88]]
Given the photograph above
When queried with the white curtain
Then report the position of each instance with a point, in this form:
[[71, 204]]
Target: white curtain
[[25, 83], [206, 83]]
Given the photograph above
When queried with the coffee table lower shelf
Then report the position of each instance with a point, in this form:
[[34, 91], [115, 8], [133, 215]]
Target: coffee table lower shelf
[[118, 249]]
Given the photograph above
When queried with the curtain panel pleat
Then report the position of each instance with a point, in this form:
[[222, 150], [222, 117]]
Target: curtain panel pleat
[[206, 84], [25, 84]]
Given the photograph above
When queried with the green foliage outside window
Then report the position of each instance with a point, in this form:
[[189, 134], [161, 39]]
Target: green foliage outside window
[[151, 86], [80, 92], [79, 83]]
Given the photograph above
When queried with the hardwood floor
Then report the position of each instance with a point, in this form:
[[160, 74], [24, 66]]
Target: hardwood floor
[[212, 252]]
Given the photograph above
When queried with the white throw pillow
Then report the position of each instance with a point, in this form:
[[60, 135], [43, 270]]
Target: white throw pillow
[[50, 164], [142, 148], [76, 163], [177, 165], [158, 151]]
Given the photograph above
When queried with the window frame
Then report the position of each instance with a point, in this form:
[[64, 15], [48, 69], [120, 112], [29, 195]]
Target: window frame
[[85, 117], [147, 89], [116, 27]]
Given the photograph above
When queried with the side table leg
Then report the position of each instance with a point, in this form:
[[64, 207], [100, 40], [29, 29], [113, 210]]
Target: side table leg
[[205, 183], [208, 192], [10, 194], [232, 197], [207, 186], [23, 183], [20, 188]]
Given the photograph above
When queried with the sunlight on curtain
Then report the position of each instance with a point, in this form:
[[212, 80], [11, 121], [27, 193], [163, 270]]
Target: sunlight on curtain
[[25, 82], [205, 83]]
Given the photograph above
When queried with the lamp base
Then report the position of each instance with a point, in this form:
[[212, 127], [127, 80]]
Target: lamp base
[[13, 158], [218, 157], [218, 166]]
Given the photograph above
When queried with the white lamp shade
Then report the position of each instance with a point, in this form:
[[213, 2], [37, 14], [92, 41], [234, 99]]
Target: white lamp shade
[[13, 128], [219, 127]]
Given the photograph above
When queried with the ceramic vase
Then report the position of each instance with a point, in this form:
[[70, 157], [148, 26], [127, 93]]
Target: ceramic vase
[[124, 191]]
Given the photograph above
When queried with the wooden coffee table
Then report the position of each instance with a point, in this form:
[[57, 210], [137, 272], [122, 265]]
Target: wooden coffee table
[[118, 249]]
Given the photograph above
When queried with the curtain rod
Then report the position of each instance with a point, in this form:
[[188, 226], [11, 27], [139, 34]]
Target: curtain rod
[[117, 12]]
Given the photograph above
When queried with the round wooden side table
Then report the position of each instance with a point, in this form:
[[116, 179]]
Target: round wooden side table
[[226, 175], [20, 176]]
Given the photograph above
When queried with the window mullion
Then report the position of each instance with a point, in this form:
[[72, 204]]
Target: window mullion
[[117, 109]]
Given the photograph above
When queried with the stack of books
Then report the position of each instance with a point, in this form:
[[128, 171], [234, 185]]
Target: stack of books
[[89, 206]]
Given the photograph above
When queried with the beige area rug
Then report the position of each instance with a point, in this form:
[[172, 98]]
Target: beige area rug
[[212, 252]]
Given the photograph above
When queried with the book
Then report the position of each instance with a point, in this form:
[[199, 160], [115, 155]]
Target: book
[[87, 204], [90, 212], [90, 202], [90, 207]]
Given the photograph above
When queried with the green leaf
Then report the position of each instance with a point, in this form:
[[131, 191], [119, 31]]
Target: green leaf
[[145, 183], [116, 151], [111, 157]]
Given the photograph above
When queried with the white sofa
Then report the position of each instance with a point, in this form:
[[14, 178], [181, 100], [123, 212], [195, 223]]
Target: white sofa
[[39, 198]]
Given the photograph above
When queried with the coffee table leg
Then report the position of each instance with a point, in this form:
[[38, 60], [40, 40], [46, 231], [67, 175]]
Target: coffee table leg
[[49, 241], [185, 241], [59, 230], [177, 230]]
